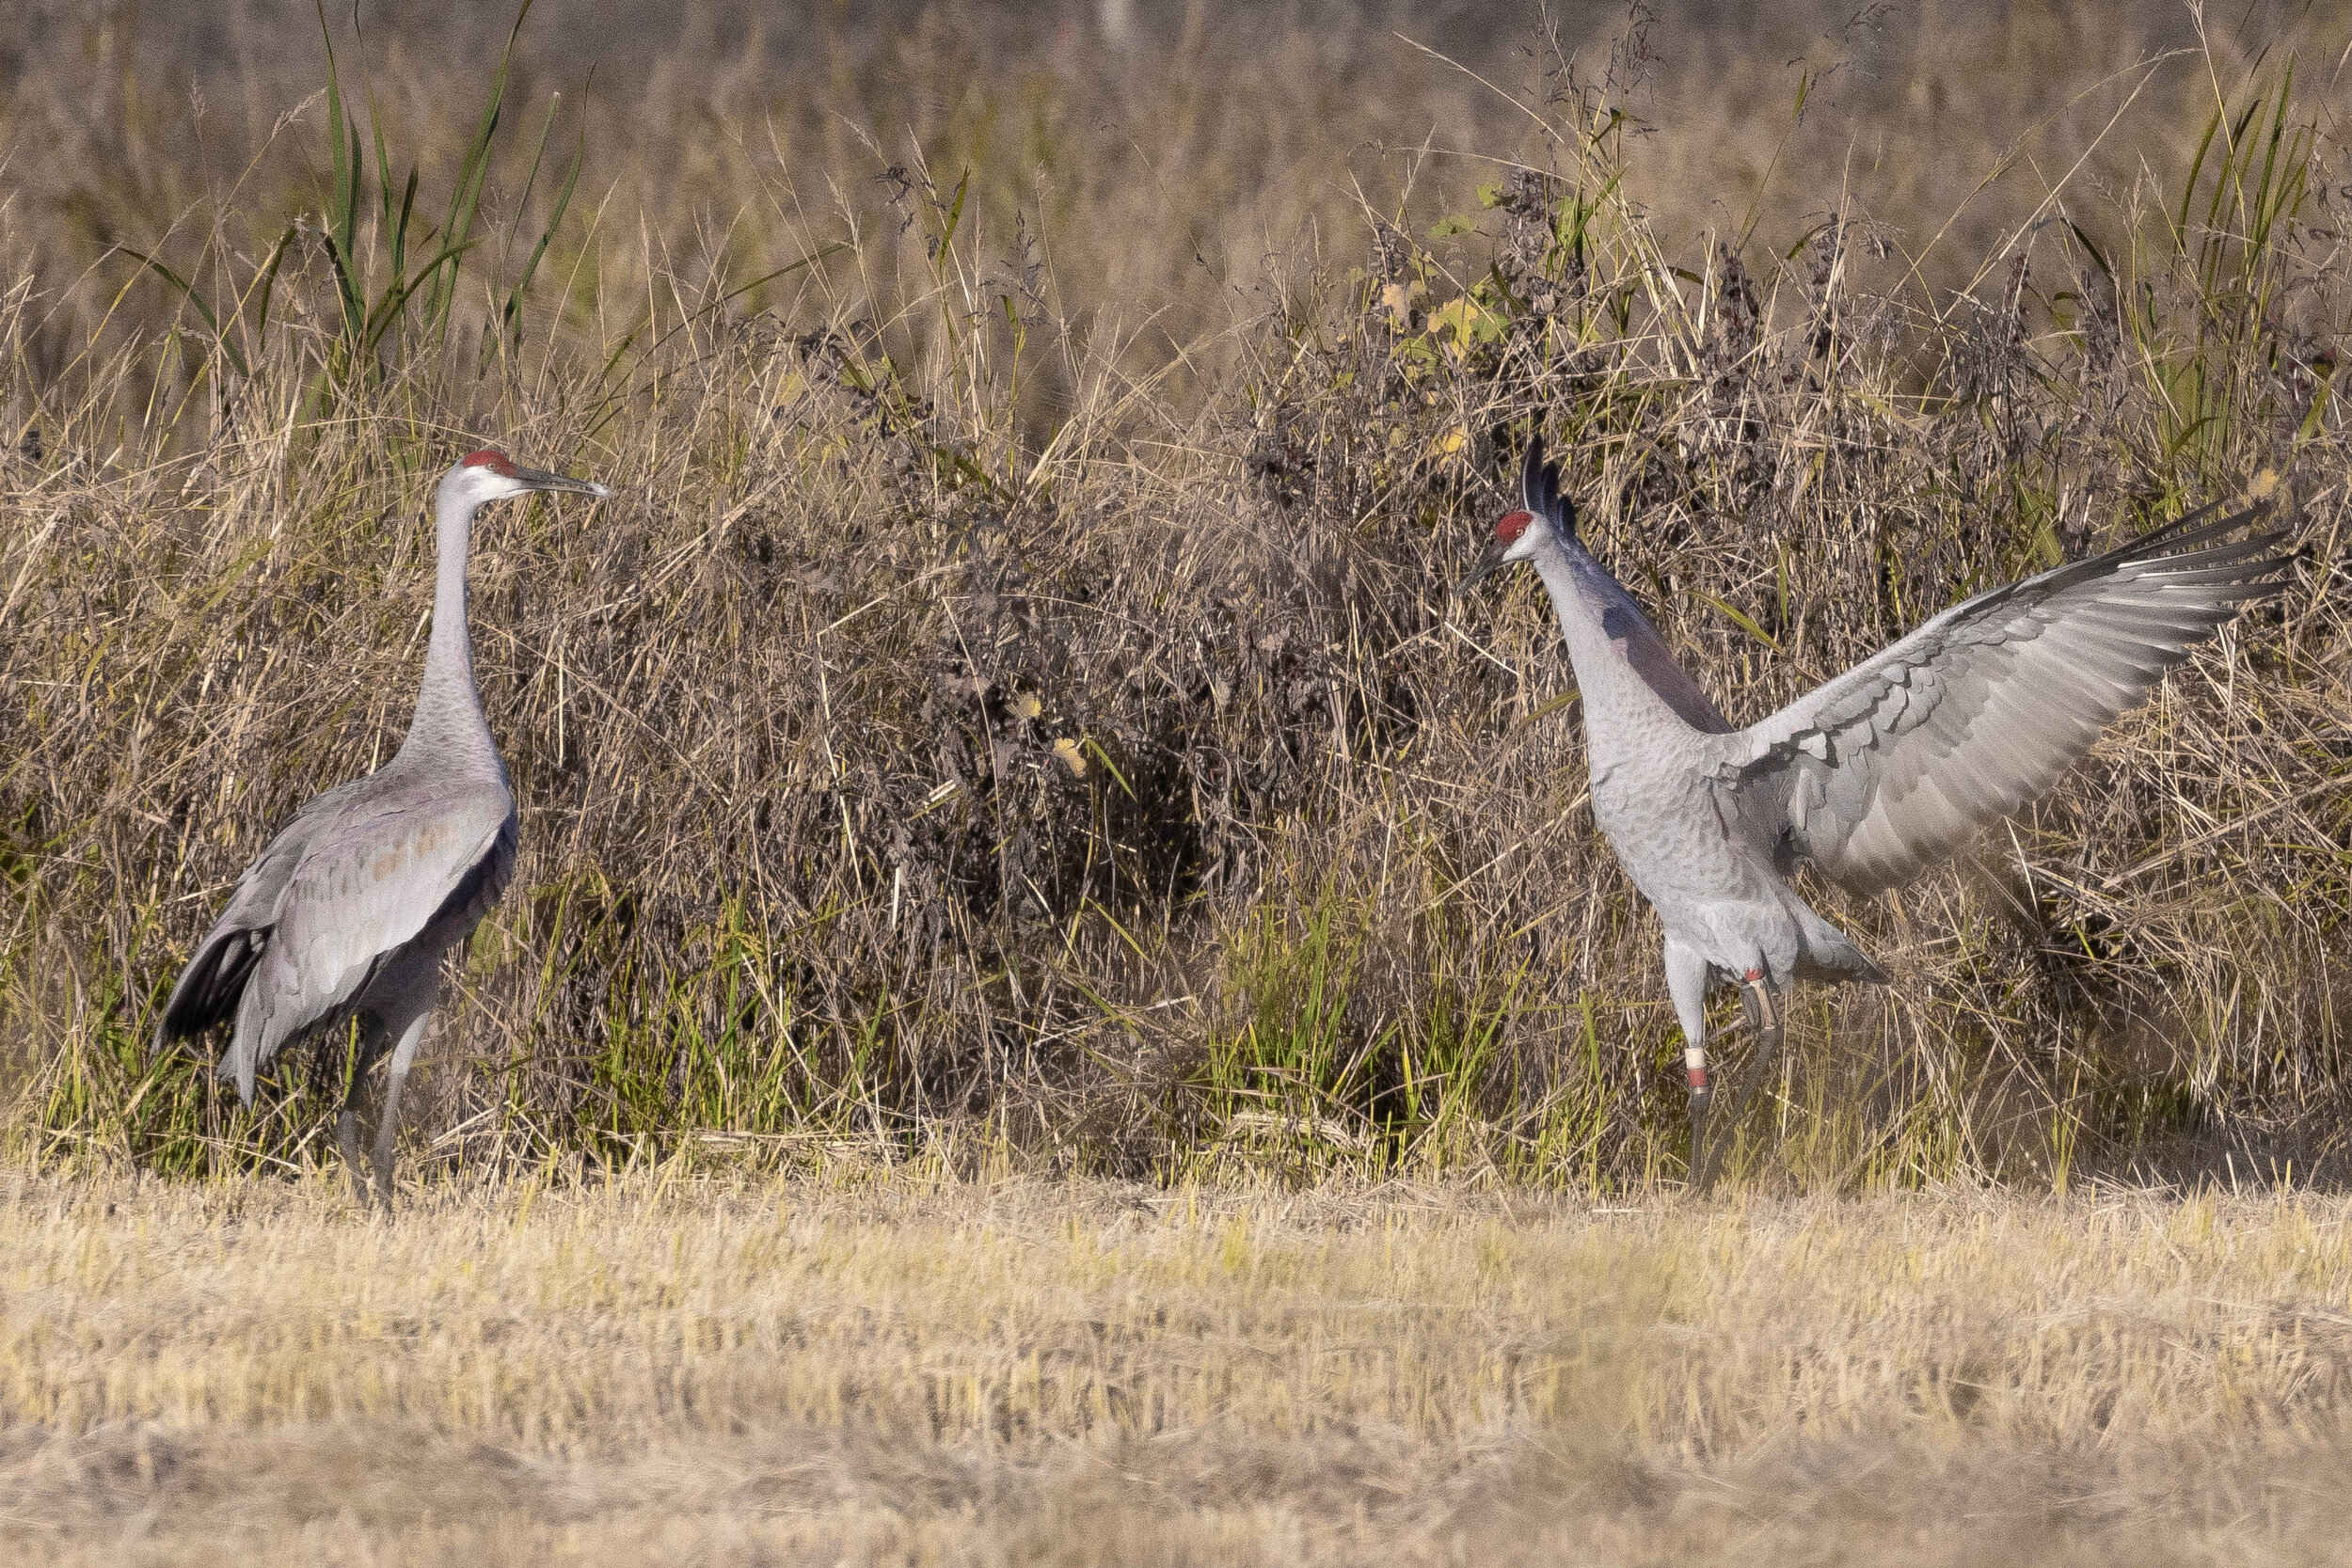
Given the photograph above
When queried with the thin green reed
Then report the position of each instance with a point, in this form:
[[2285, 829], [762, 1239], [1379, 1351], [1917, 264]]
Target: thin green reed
[[389, 313], [2226, 238]]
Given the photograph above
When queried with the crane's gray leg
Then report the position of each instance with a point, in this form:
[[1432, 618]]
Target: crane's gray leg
[[404, 997], [389, 1123], [347, 1128], [1764, 1017], [369, 1049], [1686, 982]]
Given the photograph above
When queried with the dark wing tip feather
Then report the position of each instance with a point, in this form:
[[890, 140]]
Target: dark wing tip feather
[[2234, 555], [1539, 481], [2185, 544], [2180, 541], [2189, 531], [2256, 578], [209, 988]]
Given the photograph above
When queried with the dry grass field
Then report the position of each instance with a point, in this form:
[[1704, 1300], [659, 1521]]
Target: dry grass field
[[888, 1367]]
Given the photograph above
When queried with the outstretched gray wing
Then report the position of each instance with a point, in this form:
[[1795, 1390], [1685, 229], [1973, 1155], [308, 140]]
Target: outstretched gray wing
[[1897, 761], [357, 878]]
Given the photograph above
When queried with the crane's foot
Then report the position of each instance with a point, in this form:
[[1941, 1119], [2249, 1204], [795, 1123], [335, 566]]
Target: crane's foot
[[1695, 1063]]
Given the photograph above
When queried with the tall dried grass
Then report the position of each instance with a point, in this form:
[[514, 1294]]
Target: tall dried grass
[[996, 719]]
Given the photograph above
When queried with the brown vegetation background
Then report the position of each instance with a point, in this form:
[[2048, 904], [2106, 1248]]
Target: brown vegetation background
[[1014, 705]]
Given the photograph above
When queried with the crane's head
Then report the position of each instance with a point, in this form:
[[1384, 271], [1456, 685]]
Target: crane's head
[[490, 475], [1544, 515]]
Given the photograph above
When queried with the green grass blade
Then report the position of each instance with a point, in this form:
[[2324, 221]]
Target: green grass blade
[[2188, 186], [343, 180], [512, 314], [388, 307], [265, 284], [471, 173], [187, 292]]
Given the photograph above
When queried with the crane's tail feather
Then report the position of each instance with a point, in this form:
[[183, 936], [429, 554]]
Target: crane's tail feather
[[209, 991], [237, 1063], [1830, 954]]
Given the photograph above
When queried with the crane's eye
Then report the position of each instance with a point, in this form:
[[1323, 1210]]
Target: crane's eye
[[1507, 532]]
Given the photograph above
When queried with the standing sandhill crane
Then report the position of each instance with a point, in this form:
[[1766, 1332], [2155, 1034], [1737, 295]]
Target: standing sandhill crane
[[348, 911], [1870, 777]]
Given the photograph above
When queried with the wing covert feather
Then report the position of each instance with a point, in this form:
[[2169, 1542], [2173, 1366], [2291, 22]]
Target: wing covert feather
[[374, 888], [210, 987]]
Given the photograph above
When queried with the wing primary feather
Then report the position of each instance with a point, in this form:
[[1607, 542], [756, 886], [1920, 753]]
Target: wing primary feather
[[1985, 704]]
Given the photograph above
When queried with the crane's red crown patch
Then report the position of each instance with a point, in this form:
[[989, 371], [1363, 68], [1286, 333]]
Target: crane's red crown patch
[[492, 459], [1507, 532]]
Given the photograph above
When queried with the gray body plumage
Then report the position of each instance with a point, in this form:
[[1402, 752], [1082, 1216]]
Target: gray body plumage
[[349, 911], [1878, 773], [1661, 795]]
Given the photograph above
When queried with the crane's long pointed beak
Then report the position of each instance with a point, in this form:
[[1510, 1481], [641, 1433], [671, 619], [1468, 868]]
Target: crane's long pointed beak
[[1489, 564], [539, 479]]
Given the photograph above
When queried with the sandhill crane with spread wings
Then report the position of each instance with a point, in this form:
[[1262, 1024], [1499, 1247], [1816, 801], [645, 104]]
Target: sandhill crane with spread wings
[[347, 913], [1873, 776]]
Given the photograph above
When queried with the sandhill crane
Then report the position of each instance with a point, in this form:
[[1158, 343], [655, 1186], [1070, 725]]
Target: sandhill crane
[[348, 911], [1870, 777]]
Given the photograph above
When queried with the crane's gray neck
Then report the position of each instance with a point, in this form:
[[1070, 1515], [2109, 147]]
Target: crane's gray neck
[[449, 726], [1582, 593], [1622, 665]]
